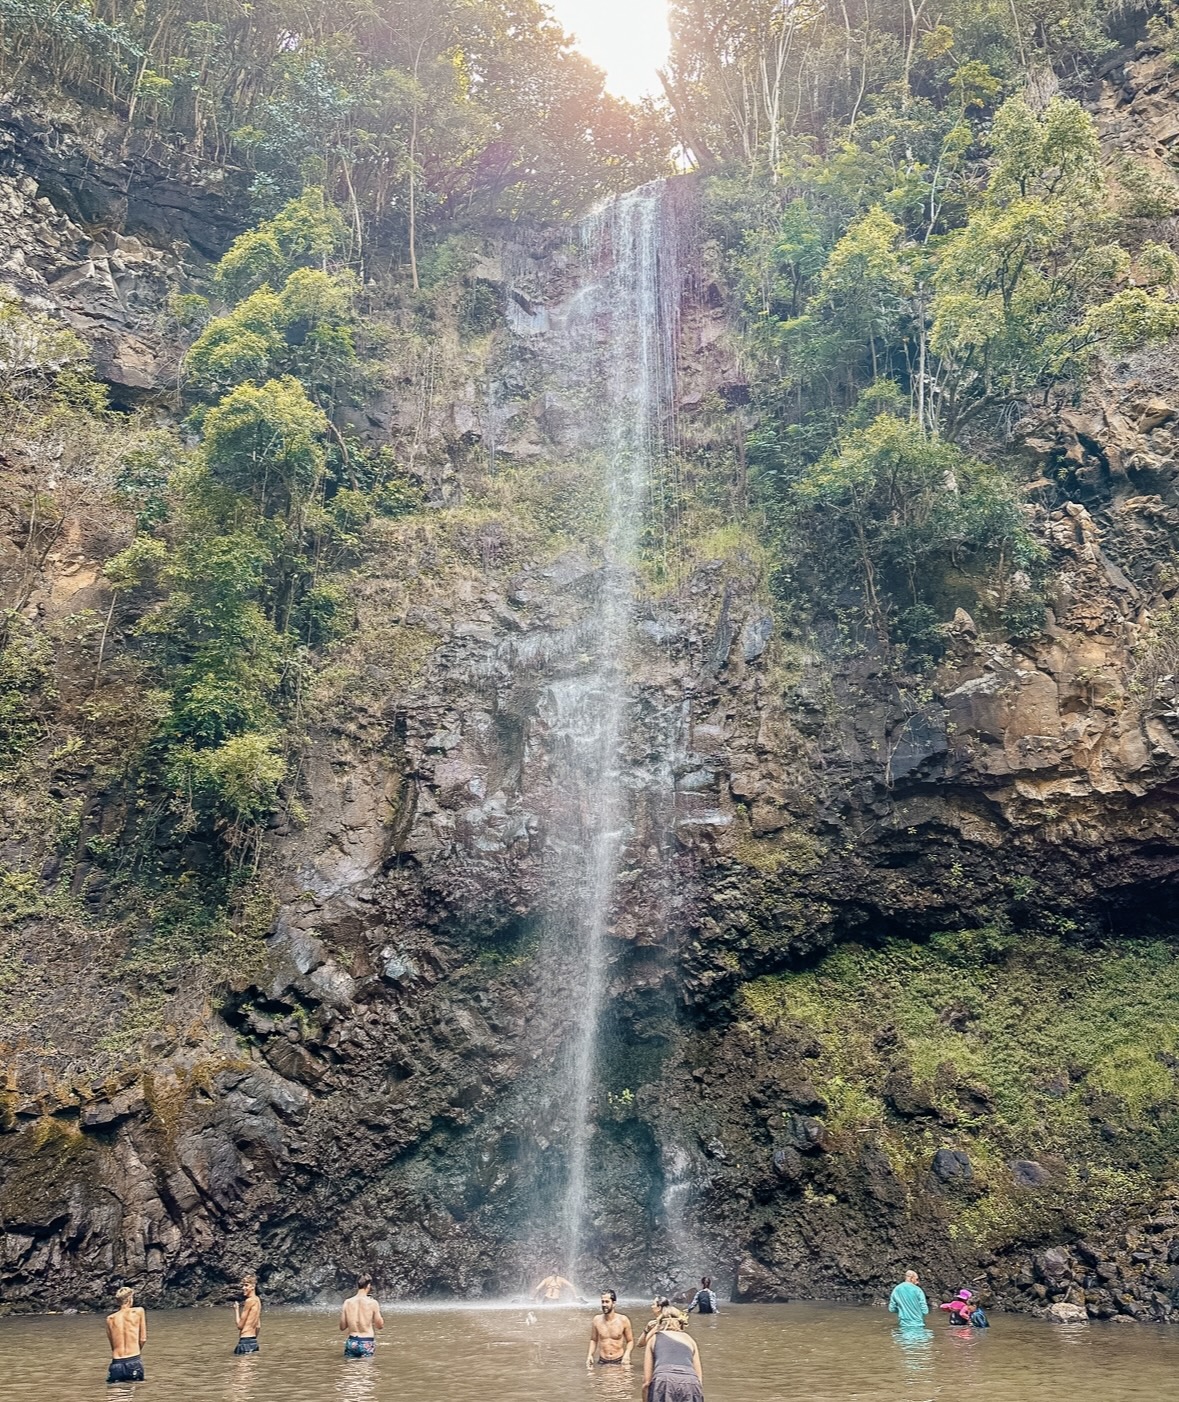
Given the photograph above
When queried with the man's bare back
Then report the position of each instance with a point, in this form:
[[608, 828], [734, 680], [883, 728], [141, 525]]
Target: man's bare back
[[127, 1331], [251, 1313], [361, 1316]]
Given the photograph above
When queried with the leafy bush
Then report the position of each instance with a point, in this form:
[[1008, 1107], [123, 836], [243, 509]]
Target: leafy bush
[[265, 441], [241, 775]]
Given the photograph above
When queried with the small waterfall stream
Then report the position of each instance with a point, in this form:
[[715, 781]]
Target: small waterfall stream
[[618, 344]]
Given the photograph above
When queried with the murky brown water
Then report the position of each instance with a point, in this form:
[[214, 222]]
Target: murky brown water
[[751, 1353]]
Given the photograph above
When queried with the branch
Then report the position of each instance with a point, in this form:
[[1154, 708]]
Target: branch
[[689, 132]]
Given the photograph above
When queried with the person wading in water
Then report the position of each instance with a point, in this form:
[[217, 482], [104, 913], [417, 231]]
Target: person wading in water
[[247, 1316], [671, 1367], [127, 1331], [660, 1306], [552, 1287], [360, 1318], [611, 1336], [704, 1299], [908, 1302]]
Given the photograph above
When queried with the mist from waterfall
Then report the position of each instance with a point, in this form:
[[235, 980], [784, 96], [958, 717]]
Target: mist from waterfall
[[619, 340]]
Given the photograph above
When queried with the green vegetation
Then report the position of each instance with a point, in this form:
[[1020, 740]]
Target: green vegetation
[[419, 113], [927, 249], [234, 598], [914, 216], [1022, 1047]]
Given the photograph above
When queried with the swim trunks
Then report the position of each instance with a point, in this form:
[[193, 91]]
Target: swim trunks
[[605, 1362], [126, 1370], [357, 1347], [247, 1346]]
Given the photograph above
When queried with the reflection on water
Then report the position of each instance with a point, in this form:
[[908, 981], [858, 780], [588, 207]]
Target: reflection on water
[[612, 1384], [244, 1381], [756, 1353], [915, 1347], [358, 1380]]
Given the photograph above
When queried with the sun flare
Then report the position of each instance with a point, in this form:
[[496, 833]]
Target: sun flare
[[626, 38]]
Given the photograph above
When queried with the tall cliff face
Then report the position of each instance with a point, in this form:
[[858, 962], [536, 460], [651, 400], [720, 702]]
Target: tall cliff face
[[806, 1080]]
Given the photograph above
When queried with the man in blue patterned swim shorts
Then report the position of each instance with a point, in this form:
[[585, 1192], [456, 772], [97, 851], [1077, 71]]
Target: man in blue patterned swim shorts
[[360, 1318]]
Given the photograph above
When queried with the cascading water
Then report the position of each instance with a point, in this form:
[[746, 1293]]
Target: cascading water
[[617, 345]]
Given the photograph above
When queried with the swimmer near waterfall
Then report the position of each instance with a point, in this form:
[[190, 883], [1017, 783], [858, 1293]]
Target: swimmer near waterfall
[[611, 1337], [554, 1288], [247, 1314], [360, 1319], [126, 1330]]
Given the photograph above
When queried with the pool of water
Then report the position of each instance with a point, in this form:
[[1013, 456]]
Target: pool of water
[[751, 1353]]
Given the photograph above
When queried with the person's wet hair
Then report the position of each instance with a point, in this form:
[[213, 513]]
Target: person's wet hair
[[609, 1295], [123, 1294], [664, 1303], [363, 1282], [706, 1282]]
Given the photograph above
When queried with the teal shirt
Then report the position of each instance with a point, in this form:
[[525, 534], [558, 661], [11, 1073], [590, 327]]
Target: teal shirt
[[910, 1303]]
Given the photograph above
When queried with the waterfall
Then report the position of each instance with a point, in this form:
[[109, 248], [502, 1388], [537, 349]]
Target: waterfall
[[615, 347]]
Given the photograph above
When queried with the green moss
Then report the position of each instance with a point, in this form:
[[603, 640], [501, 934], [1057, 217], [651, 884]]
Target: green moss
[[798, 852], [779, 997], [1028, 1046]]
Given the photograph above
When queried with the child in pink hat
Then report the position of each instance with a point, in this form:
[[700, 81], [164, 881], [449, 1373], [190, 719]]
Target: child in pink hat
[[960, 1308]]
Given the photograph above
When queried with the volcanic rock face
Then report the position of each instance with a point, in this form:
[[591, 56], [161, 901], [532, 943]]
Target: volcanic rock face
[[366, 1094]]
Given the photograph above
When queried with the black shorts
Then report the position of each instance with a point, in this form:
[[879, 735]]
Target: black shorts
[[606, 1362], [246, 1346], [126, 1370]]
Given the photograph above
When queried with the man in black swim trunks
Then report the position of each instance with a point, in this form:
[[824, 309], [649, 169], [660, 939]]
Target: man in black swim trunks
[[126, 1330], [611, 1337], [247, 1315]]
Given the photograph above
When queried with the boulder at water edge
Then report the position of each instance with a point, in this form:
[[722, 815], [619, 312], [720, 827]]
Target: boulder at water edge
[[1063, 1313]]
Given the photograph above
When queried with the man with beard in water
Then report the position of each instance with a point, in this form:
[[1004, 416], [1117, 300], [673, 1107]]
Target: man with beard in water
[[127, 1331], [611, 1336], [360, 1318]]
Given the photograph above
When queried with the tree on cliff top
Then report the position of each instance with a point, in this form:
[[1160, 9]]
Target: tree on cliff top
[[419, 113]]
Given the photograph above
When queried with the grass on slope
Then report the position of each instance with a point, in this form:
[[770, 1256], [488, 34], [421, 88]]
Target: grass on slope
[[1028, 1047]]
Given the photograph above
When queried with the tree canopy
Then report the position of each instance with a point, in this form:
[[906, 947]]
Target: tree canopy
[[415, 114]]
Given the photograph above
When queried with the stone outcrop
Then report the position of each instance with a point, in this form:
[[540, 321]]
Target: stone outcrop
[[112, 289]]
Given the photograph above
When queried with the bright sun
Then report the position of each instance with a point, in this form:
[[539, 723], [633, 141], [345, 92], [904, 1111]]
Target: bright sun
[[628, 38]]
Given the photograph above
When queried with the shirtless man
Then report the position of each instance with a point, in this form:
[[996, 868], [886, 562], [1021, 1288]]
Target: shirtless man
[[247, 1315], [552, 1287], [127, 1331], [611, 1336], [359, 1319]]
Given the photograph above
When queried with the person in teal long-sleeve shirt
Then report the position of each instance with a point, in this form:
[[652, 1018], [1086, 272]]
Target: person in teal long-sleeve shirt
[[908, 1302]]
